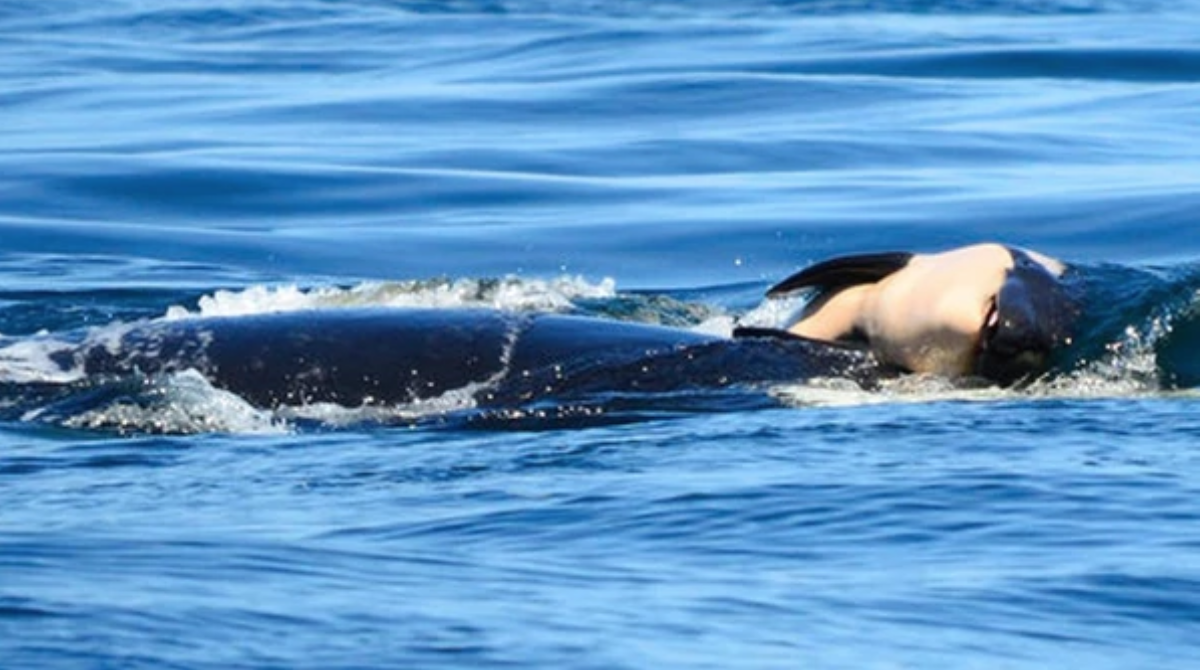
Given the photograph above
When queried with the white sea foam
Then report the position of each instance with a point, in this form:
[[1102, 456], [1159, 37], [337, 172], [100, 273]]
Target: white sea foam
[[31, 361], [509, 293], [336, 416], [769, 313], [839, 392], [1129, 369], [180, 403], [774, 312], [720, 325], [48, 358]]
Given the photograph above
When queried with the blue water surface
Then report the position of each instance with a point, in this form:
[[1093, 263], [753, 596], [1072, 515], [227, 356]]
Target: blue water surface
[[659, 161]]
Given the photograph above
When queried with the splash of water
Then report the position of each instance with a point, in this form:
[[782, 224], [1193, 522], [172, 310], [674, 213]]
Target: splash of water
[[508, 293]]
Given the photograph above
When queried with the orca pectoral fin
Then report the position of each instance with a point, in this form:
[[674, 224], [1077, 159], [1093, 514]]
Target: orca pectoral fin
[[841, 272]]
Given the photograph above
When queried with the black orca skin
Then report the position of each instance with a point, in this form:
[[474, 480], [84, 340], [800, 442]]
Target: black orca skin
[[355, 357]]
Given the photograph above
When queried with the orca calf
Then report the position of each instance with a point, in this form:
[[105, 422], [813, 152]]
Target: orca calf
[[986, 310]]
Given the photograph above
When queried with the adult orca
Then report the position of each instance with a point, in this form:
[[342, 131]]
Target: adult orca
[[985, 311], [391, 356]]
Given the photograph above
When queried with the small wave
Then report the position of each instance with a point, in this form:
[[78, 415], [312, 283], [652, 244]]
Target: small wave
[[179, 403], [508, 293], [187, 403], [915, 389]]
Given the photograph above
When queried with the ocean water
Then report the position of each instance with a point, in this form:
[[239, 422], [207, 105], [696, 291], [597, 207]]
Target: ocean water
[[663, 162]]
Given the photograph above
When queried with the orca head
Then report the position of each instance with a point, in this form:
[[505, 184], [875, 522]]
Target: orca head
[[1030, 317]]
